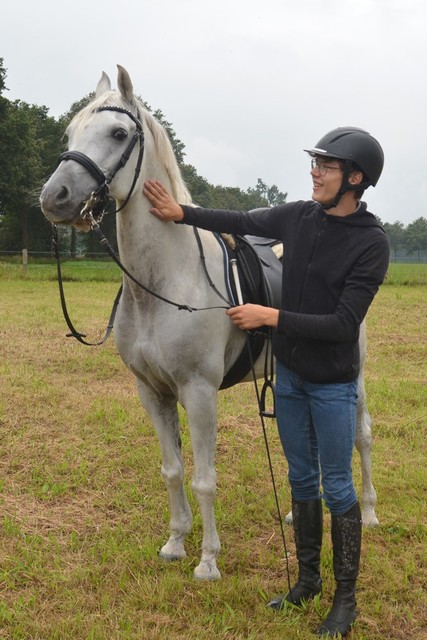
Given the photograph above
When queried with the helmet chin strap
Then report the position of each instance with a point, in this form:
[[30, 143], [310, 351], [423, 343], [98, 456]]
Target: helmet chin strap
[[345, 186], [333, 203]]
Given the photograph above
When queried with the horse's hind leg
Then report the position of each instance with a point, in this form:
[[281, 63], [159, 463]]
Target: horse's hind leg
[[364, 446], [164, 416]]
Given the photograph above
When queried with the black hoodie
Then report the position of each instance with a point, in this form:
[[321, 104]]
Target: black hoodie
[[332, 269]]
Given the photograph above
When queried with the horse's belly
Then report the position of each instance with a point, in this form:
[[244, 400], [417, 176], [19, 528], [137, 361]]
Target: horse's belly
[[174, 348]]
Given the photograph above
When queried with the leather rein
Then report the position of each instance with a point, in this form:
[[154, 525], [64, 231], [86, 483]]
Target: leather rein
[[94, 210]]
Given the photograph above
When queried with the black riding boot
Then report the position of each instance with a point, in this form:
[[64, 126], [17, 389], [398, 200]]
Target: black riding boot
[[307, 521], [346, 543]]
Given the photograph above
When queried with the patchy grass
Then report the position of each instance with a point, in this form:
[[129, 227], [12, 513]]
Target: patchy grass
[[84, 510]]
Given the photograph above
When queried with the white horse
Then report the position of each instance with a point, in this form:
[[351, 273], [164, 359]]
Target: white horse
[[176, 356]]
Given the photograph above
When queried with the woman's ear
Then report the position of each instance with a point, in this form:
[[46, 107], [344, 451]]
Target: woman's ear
[[355, 177]]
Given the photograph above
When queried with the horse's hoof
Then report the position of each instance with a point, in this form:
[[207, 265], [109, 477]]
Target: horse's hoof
[[370, 519], [170, 558], [207, 571], [172, 552]]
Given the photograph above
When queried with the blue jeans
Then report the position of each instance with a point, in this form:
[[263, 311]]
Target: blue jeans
[[317, 428]]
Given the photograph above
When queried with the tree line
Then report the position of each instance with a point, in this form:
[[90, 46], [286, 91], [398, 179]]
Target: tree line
[[31, 142], [407, 241]]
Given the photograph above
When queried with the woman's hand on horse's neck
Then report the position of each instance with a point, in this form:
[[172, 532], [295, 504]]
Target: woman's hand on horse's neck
[[164, 206]]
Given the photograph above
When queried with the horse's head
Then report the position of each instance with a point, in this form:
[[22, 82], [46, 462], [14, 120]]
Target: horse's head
[[105, 150]]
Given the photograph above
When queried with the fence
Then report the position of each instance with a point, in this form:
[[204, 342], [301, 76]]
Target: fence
[[419, 258]]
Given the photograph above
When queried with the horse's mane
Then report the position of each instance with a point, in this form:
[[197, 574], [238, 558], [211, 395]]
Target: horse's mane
[[161, 138]]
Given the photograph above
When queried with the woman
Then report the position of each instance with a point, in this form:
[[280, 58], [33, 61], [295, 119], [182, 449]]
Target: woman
[[336, 257]]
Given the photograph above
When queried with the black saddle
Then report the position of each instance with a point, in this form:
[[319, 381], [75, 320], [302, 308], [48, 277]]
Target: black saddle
[[260, 275], [260, 270]]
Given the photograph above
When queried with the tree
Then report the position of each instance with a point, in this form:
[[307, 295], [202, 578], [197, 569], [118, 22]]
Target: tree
[[65, 119], [2, 77], [269, 196], [199, 187], [396, 235], [416, 235], [29, 138], [177, 145]]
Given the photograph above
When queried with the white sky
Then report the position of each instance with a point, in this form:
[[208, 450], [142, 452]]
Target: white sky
[[246, 84]]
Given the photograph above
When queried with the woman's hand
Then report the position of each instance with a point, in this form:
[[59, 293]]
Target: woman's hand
[[253, 316], [164, 206]]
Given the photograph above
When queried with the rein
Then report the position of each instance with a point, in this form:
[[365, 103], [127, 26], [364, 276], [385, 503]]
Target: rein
[[181, 307], [73, 331]]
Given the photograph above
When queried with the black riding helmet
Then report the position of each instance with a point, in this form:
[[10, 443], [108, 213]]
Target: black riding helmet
[[360, 151]]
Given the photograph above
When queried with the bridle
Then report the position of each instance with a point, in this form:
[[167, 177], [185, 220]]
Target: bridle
[[94, 207]]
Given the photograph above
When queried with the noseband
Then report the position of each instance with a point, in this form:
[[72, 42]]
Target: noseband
[[95, 205]]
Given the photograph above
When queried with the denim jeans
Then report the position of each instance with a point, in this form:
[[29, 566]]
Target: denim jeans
[[317, 428]]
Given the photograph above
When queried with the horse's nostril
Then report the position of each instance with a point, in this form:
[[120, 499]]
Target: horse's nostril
[[63, 194]]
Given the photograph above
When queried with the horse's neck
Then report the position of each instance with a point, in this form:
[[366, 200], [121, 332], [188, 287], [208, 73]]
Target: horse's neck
[[148, 247]]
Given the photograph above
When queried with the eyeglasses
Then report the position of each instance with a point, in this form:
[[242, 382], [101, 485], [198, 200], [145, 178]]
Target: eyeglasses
[[321, 167]]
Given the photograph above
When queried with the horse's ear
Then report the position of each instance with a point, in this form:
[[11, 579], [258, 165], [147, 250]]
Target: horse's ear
[[103, 85], [125, 84]]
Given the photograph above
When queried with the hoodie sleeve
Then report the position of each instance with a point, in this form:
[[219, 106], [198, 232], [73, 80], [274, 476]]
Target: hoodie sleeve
[[267, 222]]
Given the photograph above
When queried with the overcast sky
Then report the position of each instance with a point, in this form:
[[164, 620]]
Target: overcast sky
[[246, 84]]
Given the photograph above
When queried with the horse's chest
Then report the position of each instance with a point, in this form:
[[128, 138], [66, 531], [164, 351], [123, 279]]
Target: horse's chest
[[142, 340]]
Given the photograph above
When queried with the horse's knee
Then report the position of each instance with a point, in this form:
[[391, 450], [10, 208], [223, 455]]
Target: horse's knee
[[173, 476], [204, 489]]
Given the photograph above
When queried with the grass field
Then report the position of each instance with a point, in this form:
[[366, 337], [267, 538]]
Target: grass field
[[84, 510]]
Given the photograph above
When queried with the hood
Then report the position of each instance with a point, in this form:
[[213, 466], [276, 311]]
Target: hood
[[360, 218]]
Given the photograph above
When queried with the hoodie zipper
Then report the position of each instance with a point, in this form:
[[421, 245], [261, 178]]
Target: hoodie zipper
[[323, 223]]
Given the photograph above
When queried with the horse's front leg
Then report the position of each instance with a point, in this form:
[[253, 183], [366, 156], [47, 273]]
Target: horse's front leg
[[164, 416], [201, 406], [364, 447]]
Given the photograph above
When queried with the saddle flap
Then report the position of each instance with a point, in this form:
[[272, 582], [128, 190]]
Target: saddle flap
[[260, 270]]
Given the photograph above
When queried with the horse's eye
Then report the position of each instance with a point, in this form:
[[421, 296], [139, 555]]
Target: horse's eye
[[120, 134]]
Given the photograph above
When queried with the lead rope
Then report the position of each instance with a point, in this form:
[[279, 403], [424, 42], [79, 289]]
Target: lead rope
[[263, 413]]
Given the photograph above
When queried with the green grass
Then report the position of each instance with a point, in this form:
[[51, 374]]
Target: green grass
[[406, 274], [72, 270], [84, 509], [106, 270]]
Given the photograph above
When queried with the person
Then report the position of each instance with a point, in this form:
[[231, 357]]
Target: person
[[335, 258]]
